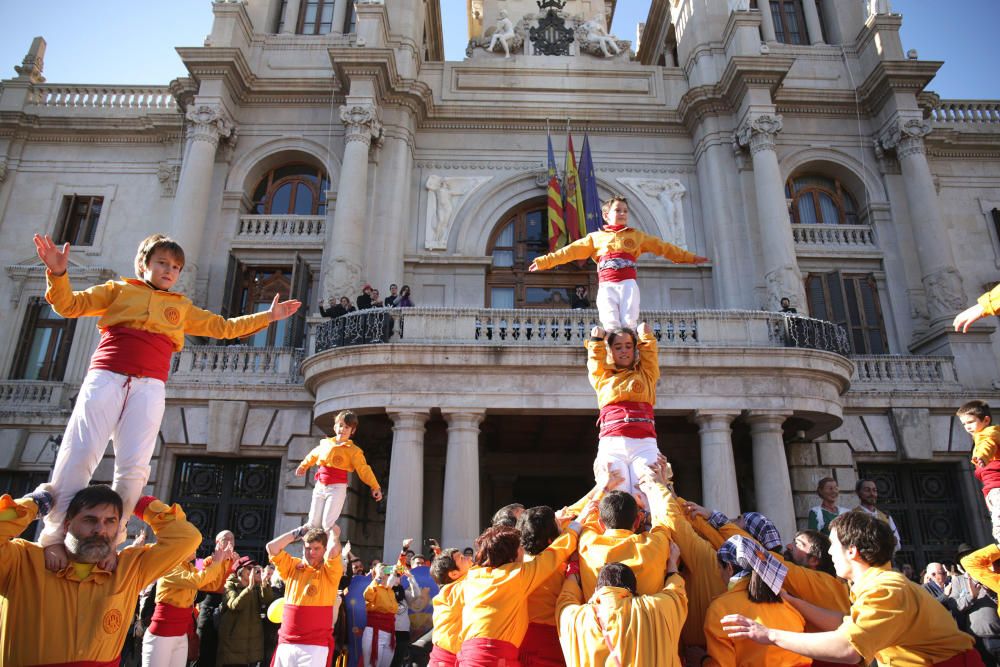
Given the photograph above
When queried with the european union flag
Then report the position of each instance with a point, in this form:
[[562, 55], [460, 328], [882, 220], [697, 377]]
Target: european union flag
[[588, 183]]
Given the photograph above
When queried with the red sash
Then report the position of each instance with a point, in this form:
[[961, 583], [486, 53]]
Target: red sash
[[483, 652], [540, 647], [442, 658], [171, 621], [386, 623], [615, 420], [133, 352], [310, 626], [82, 663], [970, 658], [330, 475], [610, 275], [989, 475]]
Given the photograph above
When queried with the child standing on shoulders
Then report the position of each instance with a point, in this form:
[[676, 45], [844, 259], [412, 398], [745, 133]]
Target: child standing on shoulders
[[975, 417], [616, 248], [336, 456], [122, 397]]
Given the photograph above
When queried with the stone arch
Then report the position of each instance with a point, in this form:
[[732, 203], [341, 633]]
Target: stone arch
[[250, 167], [863, 183]]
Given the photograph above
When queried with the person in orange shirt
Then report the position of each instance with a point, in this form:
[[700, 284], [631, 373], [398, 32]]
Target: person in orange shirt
[[122, 397], [981, 566], [540, 648], [977, 421], [892, 620], [987, 304], [448, 570], [337, 457], [616, 248], [311, 589], [80, 615], [165, 643], [494, 613], [378, 641]]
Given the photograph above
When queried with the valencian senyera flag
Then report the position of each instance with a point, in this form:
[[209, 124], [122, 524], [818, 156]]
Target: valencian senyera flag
[[557, 226], [576, 221], [588, 183]]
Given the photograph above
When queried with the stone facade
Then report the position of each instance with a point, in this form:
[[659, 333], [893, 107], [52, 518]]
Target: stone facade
[[703, 125]]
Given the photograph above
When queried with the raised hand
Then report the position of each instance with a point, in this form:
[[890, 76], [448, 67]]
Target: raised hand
[[741, 627], [694, 509], [377, 495], [643, 329], [597, 332], [55, 259], [698, 259], [280, 311], [300, 471], [963, 320], [533, 267], [407, 542]]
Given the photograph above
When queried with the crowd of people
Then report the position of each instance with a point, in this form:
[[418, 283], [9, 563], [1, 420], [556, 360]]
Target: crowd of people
[[369, 298]]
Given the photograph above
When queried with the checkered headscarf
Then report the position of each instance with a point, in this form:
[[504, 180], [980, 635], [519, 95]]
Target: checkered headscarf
[[762, 530], [746, 555]]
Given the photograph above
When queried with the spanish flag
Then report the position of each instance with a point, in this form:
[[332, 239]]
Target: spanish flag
[[576, 217], [557, 227]]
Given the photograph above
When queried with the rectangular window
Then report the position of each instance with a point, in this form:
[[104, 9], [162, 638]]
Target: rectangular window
[[316, 17], [995, 217], [44, 344], [852, 302], [789, 22], [250, 289], [78, 218]]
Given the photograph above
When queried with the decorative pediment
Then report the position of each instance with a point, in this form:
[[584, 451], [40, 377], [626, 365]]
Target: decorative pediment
[[31, 270]]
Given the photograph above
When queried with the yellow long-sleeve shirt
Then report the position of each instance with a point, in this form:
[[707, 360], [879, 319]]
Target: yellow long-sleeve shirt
[[448, 617], [628, 240], [81, 613], [493, 601], [614, 385], [308, 586], [985, 444], [179, 587], [990, 301], [380, 599], [542, 600], [646, 553], [134, 304], [643, 628], [343, 456], [723, 651], [979, 565]]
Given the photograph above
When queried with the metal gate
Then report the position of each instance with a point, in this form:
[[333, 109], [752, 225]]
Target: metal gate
[[925, 502], [229, 494]]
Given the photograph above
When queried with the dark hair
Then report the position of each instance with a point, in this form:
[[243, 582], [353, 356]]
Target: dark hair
[[622, 331], [416, 556], [619, 575], [857, 485], [150, 245], [350, 419], [443, 566], [610, 201], [872, 537], [538, 529], [316, 535], [819, 548], [92, 496], [497, 546], [618, 510], [507, 515], [823, 482], [760, 592], [978, 409]]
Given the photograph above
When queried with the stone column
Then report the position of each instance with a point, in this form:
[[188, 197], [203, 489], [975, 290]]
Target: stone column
[[718, 467], [339, 15], [781, 270], [392, 216], [711, 167], [405, 498], [342, 270], [207, 125], [766, 22], [460, 519], [770, 471], [812, 21], [942, 282], [290, 21]]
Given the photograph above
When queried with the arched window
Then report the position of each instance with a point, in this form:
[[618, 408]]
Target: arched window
[[520, 237], [292, 189], [819, 200]]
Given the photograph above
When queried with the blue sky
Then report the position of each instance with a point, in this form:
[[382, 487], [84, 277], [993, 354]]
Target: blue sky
[[119, 42]]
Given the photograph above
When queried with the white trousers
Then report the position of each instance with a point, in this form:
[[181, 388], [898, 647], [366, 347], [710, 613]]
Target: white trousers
[[327, 501], [109, 407], [627, 456], [618, 304], [300, 655], [384, 652], [993, 503], [164, 651]]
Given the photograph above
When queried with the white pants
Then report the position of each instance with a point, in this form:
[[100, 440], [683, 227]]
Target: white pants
[[164, 651], [300, 655], [627, 456], [384, 652], [327, 501], [618, 304], [109, 407], [993, 503]]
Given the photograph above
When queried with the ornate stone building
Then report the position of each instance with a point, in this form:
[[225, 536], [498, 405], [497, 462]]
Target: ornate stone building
[[317, 145]]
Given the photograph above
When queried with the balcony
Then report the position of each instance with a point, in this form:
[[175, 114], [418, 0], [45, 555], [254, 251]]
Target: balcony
[[825, 240], [23, 397], [955, 112], [102, 100], [236, 365], [894, 373], [300, 231]]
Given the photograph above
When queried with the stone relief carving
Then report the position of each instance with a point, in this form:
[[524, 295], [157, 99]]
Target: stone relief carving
[[785, 281], [362, 123], [758, 133], [594, 38], [444, 196], [208, 123], [504, 34], [668, 194], [906, 137], [944, 293], [168, 175], [342, 278]]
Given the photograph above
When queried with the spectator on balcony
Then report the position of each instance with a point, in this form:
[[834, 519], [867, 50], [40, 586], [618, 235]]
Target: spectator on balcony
[[821, 515], [404, 300], [376, 301], [390, 301], [337, 309], [364, 300], [786, 305], [580, 297]]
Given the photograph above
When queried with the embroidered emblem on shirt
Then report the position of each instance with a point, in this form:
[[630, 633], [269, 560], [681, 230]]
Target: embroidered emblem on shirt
[[172, 315], [112, 621], [628, 243], [311, 590], [338, 460], [636, 386]]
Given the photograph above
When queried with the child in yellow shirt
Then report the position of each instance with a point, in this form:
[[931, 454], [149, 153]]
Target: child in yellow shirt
[[975, 417], [336, 457]]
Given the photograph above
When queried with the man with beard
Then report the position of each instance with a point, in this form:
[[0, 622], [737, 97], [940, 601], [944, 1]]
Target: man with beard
[[79, 615]]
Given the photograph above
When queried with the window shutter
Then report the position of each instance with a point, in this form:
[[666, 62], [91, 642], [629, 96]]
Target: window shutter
[[65, 216], [26, 338], [301, 282]]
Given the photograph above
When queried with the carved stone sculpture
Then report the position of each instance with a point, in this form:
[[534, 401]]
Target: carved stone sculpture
[[595, 38], [503, 34], [667, 194], [444, 196]]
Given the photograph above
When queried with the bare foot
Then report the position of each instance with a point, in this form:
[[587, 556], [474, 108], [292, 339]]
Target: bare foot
[[56, 558], [110, 562]]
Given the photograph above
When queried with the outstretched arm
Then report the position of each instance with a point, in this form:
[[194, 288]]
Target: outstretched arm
[[988, 304], [275, 546], [830, 646]]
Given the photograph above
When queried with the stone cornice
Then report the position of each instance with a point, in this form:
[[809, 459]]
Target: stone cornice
[[894, 76], [219, 62], [724, 97], [380, 66]]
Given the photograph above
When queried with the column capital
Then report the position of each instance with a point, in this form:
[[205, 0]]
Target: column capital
[[466, 418], [758, 132], [905, 136], [714, 419], [763, 421], [409, 418], [208, 123], [362, 122]]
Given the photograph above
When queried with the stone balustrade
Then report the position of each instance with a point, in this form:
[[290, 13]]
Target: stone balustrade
[[898, 372], [236, 364], [835, 237], [33, 396], [122, 98], [271, 229], [966, 111]]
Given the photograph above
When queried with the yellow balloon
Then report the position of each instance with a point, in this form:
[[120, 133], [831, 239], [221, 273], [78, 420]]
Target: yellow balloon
[[276, 610]]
